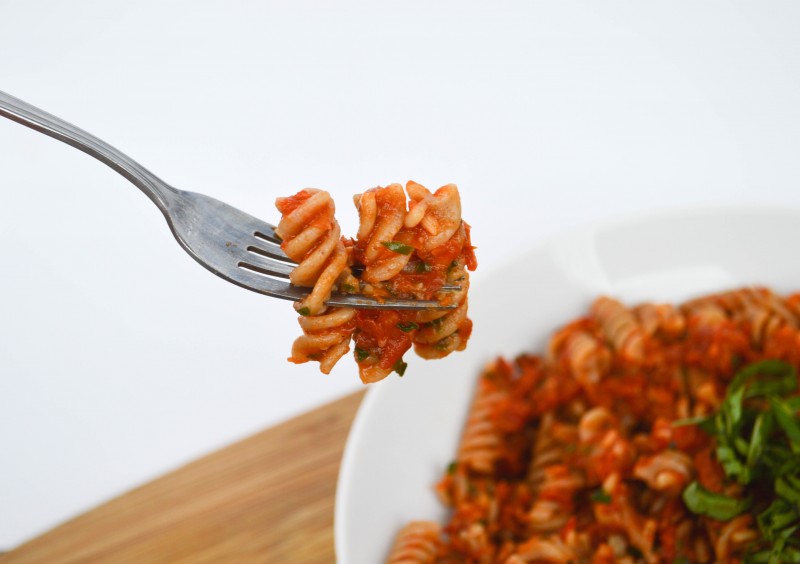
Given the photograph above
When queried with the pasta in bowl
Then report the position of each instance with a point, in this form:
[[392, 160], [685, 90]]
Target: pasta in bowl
[[405, 436]]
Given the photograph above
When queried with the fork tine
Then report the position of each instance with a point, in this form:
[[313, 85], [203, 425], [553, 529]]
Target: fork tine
[[265, 238], [265, 231], [264, 265], [250, 278], [365, 302], [268, 249]]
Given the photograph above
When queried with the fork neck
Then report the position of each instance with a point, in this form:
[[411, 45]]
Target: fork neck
[[161, 193]]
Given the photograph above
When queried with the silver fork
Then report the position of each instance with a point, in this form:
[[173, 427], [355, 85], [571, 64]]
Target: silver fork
[[228, 242]]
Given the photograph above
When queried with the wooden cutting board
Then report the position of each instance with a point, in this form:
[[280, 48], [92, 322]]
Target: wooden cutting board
[[268, 498]]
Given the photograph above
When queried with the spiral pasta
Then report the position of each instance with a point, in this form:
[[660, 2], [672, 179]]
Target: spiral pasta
[[407, 246], [480, 443], [411, 249], [577, 456], [311, 236], [437, 218], [619, 327], [416, 543]]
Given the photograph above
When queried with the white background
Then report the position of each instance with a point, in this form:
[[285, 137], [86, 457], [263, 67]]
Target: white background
[[121, 358]]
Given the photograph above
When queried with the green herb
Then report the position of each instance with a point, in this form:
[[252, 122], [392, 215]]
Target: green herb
[[600, 496], [348, 288], [304, 311], [361, 354], [400, 367], [421, 268], [451, 468], [766, 377], [717, 506], [407, 326], [397, 247], [757, 431], [681, 560], [788, 421]]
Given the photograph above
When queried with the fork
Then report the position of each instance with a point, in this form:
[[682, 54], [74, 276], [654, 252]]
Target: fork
[[228, 242]]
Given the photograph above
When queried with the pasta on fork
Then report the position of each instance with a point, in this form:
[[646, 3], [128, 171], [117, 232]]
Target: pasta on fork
[[410, 244]]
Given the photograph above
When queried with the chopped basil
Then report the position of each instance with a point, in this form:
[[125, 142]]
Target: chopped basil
[[717, 506], [757, 432], [451, 468], [407, 326], [349, 288], [361, 354], [397, 247], [421, 268], [786, 418], [600, 496], [400, 367], [766, 377], [304, 311]]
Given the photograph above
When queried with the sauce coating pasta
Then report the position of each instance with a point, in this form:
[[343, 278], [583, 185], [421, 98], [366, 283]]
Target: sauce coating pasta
[[604, 449], [409, 244]]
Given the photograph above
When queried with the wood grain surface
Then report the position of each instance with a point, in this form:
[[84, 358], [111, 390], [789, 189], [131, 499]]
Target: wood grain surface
[[268, 498]]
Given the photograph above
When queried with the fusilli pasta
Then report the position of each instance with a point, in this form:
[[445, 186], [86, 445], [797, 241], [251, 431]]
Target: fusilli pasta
[[406, 247], [576, 457]]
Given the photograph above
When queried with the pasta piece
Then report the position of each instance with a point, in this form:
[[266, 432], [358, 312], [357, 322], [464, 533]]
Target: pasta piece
[[764, 313], [416, 543], [550, 549], [325, 339], [439, 213], [553, 483], [381, 212], [664, 319], [311, 236], [411, 255], [441, 333], [606, 450], [576, 349], [620, 328], [620, 513], [731, 539], [668, 471], [396, 254], [611, 477], [444, 239], [553, 441], [480, 443], [705, 314]]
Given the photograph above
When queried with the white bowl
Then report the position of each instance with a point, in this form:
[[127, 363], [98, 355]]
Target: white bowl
[[407, 430]]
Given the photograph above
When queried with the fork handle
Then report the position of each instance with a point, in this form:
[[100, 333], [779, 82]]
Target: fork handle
[[156, 189]]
